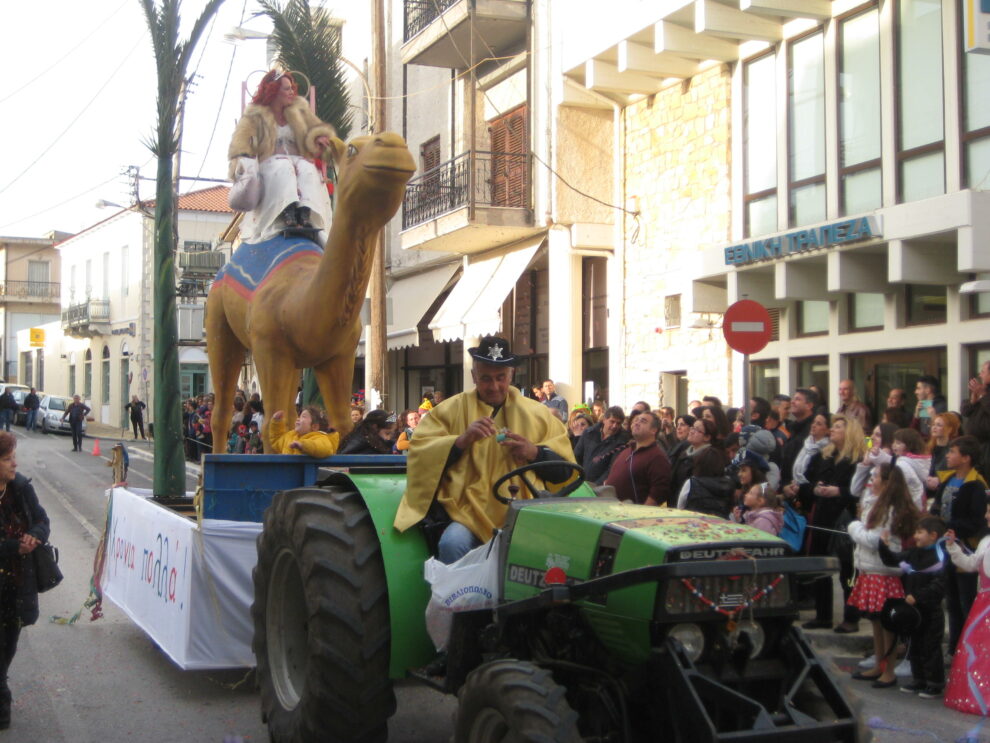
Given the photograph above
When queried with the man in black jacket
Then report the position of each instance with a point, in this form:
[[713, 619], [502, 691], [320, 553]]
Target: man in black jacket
[[31, 403], [599, 444], [803, 403], [976, 416]]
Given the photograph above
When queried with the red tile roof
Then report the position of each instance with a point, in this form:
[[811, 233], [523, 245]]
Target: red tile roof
[[213, 199]]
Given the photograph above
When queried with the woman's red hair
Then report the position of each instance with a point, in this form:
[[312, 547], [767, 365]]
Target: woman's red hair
[[269, 86]]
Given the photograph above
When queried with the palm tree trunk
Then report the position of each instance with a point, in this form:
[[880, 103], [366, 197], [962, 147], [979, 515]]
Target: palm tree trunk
[[172, 58], [170, 464]]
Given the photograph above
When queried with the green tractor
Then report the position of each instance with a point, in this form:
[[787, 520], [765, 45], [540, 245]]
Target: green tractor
[[616, 622]]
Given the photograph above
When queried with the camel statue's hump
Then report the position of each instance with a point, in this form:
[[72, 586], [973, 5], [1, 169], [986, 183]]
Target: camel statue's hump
[[253, 263]]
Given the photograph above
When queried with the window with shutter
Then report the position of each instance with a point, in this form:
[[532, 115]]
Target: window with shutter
[[509, 177], [429, 154]]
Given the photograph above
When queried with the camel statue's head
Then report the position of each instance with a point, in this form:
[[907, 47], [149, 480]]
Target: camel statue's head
[[372, 172]]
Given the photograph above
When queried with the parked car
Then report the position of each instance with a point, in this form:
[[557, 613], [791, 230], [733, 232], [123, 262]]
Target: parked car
[[19, 391], [50, 414]]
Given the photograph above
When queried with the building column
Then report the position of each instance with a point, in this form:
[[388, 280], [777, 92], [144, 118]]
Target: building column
[[565, 357], [469, 341]]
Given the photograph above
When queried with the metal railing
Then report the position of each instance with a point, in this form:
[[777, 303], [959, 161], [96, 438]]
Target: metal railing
[[501, 179], [421, 13], [47, 291], [93, 311]]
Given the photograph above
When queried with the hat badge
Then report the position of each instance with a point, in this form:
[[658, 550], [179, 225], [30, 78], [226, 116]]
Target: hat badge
[[495, 352]]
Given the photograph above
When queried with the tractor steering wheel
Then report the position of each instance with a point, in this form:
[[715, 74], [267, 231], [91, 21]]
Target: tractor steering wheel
[[534, 491]]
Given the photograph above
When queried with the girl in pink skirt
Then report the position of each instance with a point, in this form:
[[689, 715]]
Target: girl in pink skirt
[[969, 680], [892, 512]]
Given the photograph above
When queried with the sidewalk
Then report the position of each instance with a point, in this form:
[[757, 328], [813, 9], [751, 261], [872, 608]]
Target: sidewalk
[[105, 432]]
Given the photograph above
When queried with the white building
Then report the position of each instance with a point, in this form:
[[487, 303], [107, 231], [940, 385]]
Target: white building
[[103, 347]]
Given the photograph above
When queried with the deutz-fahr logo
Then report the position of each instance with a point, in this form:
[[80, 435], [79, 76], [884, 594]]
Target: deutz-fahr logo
[[527, 576], [713, 553]]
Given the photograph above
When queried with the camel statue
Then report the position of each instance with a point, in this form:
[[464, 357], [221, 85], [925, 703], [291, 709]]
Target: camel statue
[[294, 306]]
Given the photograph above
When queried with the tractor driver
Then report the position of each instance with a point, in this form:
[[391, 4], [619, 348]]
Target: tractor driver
[[464, 445]]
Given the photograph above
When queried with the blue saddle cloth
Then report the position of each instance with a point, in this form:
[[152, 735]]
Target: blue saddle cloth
[[253, 263]]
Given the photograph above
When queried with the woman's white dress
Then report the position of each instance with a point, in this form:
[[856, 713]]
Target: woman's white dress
[[287, 178]]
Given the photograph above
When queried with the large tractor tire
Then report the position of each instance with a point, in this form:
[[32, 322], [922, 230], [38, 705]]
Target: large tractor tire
[[512, 701], [321, 620]]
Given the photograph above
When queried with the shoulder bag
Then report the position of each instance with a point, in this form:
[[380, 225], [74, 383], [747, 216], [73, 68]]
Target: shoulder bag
[[46, 570]]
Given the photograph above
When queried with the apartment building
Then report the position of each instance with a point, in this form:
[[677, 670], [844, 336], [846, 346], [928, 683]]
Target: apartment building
[[102, 346]]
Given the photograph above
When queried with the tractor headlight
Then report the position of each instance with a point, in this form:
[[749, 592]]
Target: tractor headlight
[[691, 637], [754, 631]]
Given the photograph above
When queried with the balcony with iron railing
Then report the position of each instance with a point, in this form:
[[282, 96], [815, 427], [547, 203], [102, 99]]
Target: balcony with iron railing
[[86, 319], [30, 291], [474, 202], [438, 33]]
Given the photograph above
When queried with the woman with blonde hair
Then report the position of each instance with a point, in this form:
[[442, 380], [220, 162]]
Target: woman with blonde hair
[[828, 501]]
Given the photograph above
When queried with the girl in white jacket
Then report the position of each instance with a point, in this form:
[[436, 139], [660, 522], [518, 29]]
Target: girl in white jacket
[[893, 512]]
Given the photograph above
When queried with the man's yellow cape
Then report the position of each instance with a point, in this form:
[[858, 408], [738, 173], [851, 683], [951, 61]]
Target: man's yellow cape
[[465, 489]]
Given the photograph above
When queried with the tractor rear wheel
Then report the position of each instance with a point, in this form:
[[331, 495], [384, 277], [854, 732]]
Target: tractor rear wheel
[[517, 702], [321, 620]]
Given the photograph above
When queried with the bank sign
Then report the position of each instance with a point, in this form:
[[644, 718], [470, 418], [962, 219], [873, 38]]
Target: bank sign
[[800, 241]]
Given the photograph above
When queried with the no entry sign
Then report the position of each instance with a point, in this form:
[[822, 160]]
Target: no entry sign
[[746, 326]]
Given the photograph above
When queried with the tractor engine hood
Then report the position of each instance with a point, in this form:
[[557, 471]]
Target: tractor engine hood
[[589, 538]]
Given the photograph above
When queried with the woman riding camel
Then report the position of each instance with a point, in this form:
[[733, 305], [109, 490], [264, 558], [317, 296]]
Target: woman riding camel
[[283, 136]]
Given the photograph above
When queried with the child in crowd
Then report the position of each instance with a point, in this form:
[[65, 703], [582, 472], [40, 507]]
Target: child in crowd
[[924, 585], [254, 445], [232, 441], [960, 500], [307, 436], [752, 471], [242, 438], [760, 509], [971, 666], [894, 513]]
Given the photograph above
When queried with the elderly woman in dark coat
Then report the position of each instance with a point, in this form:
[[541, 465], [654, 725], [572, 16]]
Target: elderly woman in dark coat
[[23, 526]]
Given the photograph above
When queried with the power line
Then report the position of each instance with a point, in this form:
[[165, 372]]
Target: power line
[[62, 58], [61, 203], [55, 140], [223, 97]]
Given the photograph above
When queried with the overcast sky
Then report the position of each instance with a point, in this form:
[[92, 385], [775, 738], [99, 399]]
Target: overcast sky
[[77, 101]]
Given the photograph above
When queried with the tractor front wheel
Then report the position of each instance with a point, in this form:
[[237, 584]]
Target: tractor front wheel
[[512, 700], [321, 621]]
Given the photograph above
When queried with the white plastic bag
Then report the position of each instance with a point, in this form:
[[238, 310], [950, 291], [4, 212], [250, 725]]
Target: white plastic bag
[[470, 583], [246, 193]]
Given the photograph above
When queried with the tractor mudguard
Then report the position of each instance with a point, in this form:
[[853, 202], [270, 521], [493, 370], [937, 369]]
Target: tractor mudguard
[[404, 554]]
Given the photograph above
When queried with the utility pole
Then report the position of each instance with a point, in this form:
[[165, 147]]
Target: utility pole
[[377, 353]]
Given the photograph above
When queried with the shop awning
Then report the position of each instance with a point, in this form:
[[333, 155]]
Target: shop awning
[[473, 306], [411, 297]]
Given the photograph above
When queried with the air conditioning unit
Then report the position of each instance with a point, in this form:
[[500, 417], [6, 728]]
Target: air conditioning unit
[[191, 318]]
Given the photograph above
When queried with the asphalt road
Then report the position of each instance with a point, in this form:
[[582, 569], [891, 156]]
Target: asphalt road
[[105, 681]]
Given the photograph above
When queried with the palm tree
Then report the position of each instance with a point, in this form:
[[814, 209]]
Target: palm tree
[[308, 41], [172, 58]]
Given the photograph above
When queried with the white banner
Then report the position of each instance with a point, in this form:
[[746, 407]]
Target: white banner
[[148, 568], [188, 588]]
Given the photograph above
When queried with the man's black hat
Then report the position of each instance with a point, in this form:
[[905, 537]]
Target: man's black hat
[[899, 617], [494, 351]]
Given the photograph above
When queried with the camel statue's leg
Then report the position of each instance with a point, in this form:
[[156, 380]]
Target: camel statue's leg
[[226, 355], [334, 379], [279, 380]]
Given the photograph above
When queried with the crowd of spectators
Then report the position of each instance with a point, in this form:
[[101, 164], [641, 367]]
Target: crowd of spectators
[[862, 488]]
